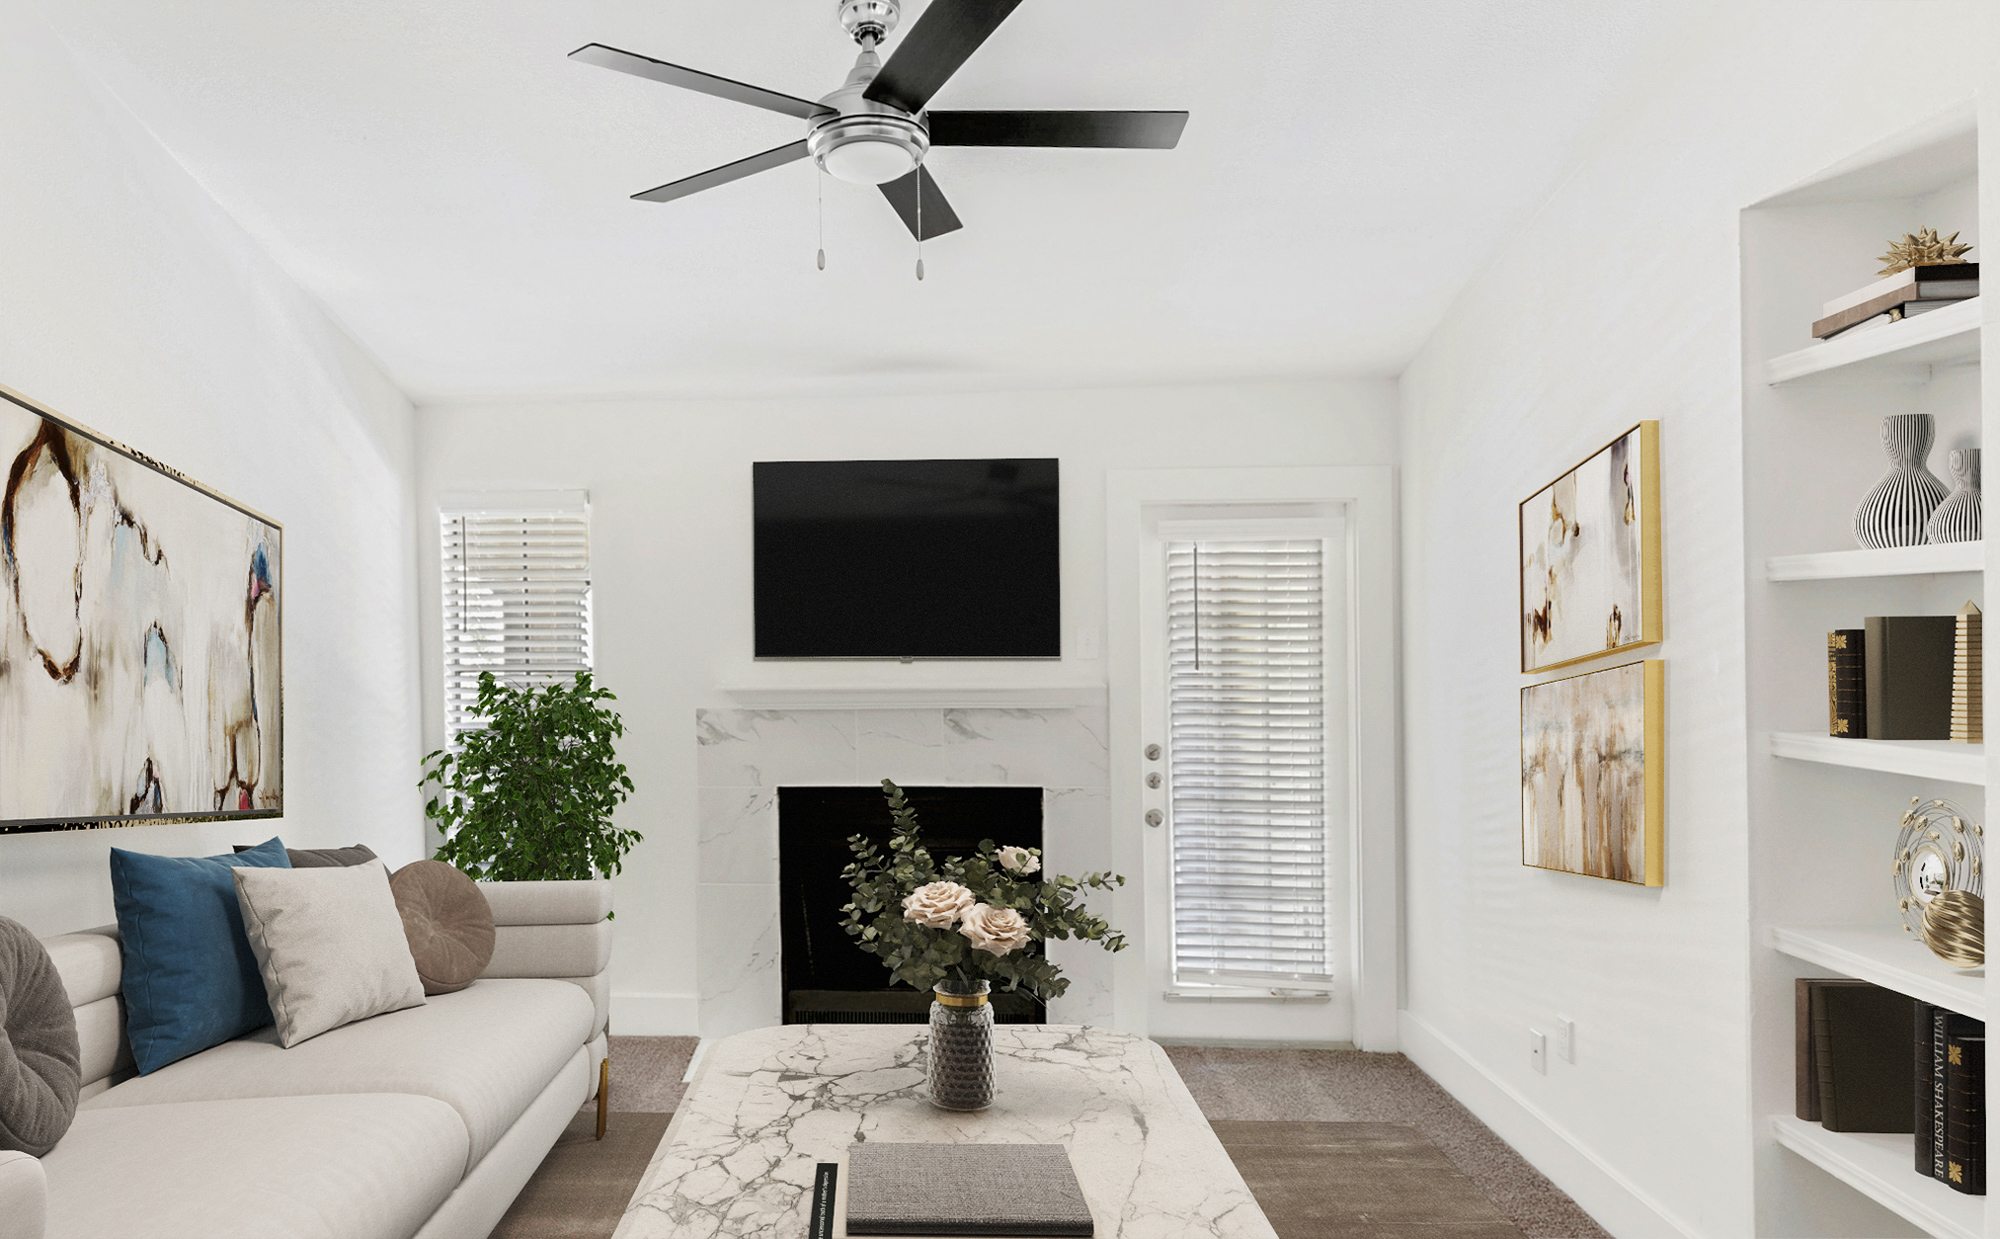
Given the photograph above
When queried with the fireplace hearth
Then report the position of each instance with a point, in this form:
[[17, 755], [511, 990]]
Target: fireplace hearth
[[826, 978]]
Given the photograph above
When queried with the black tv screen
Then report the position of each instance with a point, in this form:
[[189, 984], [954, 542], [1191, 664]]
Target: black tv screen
[[907, 559]]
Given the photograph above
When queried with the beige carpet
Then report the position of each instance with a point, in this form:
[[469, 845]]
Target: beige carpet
[[1358, 1181], [1346, 1086], [1335, 1144]]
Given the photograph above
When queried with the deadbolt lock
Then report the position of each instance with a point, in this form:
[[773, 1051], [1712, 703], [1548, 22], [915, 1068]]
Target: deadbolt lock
[[1152, 752], [1153, 817]]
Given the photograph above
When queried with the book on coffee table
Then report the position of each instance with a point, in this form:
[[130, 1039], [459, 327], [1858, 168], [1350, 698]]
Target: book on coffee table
[[964, 1189]]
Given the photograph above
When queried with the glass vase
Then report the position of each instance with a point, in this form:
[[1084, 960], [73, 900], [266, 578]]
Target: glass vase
[[961, 1050]]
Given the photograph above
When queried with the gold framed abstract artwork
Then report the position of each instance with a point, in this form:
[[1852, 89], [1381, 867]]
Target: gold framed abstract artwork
[[1590, 556], [141, 643], [1593, 791]]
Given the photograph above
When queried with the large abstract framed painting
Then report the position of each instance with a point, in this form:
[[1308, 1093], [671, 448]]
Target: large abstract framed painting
[[1592, 773], [1590, 556], [141, 673]]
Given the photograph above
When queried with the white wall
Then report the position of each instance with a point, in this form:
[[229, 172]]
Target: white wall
[[669, 484], [136, 306], [1620, 302]]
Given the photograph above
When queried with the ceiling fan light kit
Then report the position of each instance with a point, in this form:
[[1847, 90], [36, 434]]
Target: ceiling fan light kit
[[876, 129]]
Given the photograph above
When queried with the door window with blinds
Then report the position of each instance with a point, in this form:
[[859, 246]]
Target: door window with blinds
[[1253, 767], [516, 586]]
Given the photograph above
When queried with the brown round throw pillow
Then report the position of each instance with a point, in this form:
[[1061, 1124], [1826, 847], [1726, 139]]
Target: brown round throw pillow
[[447, 921], [39, 1062]]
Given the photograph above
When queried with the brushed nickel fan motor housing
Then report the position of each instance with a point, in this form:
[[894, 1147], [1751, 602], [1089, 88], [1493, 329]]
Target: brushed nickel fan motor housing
[[870, 21], [854, 119]]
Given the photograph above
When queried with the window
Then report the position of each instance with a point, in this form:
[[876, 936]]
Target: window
[[1246, 714], [516, 584]]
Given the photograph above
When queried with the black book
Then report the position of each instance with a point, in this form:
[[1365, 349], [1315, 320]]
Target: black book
[[1861, 1049], [1847, 683], [1909, 676], [1805, 1059], [1965, 1121], [1926, 1078]]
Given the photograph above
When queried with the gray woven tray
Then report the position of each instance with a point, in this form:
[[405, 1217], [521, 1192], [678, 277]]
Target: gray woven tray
[[964, 1189]]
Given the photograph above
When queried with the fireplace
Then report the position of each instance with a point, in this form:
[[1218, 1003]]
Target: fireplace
[[826, 978]]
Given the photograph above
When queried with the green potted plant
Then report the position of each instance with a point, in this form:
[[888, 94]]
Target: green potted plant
[[530, 796], [957, 926]]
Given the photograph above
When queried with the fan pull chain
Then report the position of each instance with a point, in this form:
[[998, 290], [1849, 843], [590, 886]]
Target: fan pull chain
[[920, 222], [820, 181]]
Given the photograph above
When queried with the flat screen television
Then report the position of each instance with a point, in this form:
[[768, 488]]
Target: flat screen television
[[907, 559]]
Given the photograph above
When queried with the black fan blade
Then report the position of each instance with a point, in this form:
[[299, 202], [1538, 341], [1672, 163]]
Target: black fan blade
[[775, 157], [1157, 131], [947, 33], [691, 79], [938, 216]]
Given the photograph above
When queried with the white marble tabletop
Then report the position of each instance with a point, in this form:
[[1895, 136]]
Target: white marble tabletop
[[766, 1106]]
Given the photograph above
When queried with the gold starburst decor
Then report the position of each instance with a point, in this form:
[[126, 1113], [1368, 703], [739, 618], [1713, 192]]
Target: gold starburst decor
[[1922, 249]]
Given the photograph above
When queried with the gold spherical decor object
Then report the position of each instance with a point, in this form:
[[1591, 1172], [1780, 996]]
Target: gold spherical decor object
[[1937, 851], [1955, 928]]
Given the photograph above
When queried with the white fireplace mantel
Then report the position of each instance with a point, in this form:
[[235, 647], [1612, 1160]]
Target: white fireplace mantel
[[930, 696]]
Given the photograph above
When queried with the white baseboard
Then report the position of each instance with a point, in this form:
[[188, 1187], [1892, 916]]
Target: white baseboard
[[1616, 1202], [655, 1015]]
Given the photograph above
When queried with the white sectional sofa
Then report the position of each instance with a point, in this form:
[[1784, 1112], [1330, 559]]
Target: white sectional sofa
[[424, 1122]]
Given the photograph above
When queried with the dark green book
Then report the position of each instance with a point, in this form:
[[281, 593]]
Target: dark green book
[[1907, 688], [1861, 1046]]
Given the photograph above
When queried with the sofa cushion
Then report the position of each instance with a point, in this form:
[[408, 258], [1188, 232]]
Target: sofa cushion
[[39, 1067], [329, 1167], [486, 1051], [329, 944], [190, 979], [447, 922]]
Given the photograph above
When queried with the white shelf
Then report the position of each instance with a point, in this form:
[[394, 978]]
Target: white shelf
[[1878, 1165], [1902, 352], [1891, 561], [1926, 759], [1888, 957]]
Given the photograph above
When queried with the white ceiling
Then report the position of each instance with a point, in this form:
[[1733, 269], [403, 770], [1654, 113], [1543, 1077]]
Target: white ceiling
[[456, 191]]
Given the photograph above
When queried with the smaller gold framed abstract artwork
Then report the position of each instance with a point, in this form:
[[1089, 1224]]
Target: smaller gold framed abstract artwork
[[1590, 556], [1593, 780]]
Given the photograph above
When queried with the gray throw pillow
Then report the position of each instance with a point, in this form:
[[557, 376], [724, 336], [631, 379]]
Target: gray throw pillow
[[330, 945], [324, 858], [39, 1062]]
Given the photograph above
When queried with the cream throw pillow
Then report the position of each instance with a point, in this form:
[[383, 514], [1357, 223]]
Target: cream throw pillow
[[330, 945]]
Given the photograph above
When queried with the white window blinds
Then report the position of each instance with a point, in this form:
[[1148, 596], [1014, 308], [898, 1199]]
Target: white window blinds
[[1246, 699], [516, 602]]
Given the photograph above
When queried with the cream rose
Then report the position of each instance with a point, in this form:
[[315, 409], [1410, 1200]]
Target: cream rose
[[1018, 861], [997, 931], [937, 905]]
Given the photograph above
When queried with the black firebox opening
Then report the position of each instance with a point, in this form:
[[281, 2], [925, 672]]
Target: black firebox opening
[[829, 979]]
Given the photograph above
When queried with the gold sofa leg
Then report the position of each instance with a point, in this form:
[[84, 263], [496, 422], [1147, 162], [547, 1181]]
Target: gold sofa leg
[[603, 1093]]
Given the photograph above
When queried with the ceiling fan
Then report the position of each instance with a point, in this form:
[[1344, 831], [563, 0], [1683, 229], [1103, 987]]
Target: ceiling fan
[[876, 128]]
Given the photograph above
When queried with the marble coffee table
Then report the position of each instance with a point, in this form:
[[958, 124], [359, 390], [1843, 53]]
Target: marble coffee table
[[767, 1106]]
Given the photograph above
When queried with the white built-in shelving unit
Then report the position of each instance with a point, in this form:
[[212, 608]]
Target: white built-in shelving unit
[[1824, 811]]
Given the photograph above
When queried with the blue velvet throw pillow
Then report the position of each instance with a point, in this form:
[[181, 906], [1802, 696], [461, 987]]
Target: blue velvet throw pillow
[[191, 980]]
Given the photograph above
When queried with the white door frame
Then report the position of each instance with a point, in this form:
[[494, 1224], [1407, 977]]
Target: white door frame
[[1367, 492]]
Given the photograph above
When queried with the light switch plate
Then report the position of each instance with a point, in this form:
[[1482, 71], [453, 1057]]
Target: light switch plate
[[1538, 1050], [1566, 1038]]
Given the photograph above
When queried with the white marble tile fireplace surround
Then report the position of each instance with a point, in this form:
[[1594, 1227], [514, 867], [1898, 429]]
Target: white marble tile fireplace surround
[[745, 755]]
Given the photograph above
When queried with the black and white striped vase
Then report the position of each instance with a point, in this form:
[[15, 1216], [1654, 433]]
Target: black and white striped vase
[[1957, 518], [1893, 513]]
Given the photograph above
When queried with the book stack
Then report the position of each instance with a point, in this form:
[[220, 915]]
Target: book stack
[[1894, 678], [1905, 294], [1968, 699], [1950, 1117], [1846, 683], [964, 1189], [1853, 1056]]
